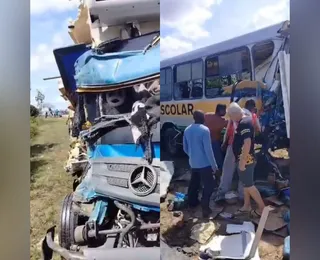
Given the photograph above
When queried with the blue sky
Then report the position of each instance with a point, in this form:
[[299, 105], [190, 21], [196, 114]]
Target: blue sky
[[190, 24], [49, 21], [185, 25]]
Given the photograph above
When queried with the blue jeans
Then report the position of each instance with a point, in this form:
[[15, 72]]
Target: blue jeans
[[218, 155]]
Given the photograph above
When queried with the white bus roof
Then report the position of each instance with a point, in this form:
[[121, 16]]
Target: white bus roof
[[250, 38]]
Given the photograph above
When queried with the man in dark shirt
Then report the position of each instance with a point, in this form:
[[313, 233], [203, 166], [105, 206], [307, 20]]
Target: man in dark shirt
[[243, 149]]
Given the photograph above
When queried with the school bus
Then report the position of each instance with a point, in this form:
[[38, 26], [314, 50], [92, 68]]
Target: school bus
[[203, 78]]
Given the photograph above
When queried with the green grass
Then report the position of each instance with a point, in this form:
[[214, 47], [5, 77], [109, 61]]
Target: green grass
[[34, 127], [49, 182]]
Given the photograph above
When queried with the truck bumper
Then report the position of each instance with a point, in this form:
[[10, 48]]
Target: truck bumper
[[101, 253]]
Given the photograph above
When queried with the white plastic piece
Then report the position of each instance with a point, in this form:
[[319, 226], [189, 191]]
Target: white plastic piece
[[115, 12], [239, 246], [237, 229], [165, 177]]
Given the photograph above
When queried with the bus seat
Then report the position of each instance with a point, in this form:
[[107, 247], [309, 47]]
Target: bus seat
[[244, 84], [197, 92]]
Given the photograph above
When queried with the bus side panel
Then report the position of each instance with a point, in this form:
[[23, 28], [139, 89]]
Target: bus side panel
[[179, 113]]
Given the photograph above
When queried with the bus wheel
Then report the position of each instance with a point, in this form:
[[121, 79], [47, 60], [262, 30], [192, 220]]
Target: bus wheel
[[171, 142]]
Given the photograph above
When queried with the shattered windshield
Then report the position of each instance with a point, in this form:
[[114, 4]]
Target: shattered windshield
[[117, 99]]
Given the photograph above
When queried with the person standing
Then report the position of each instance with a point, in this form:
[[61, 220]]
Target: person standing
[[243, 149], [216, 123], [229, 164], [251, 110], [197, 145], [70, 118]]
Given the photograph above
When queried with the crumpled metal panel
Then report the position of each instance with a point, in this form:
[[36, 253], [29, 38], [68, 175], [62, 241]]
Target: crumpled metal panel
[[94, 70]]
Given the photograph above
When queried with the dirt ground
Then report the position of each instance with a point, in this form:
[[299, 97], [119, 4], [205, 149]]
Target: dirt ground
[[270, 247], [49, 181]]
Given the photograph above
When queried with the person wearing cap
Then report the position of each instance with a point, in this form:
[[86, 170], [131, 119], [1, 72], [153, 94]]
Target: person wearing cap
[[197, 145]]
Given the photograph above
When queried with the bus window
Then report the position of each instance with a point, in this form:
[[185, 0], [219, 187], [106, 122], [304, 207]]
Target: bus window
[[162, 77], [262, 54], [182, 79], [166, 84], [197, 82], [169, 76], [225, 69], [188, 80]]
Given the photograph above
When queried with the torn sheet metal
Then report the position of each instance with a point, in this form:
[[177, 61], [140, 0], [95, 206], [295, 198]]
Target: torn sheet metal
[[165, 177], [85, 191], [284, 62], [99, 212]]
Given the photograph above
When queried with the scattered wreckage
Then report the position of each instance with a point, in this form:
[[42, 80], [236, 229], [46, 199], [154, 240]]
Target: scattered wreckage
[[271, 91], [114, 210]]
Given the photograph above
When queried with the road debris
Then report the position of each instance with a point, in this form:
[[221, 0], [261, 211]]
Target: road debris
[[202, 232]]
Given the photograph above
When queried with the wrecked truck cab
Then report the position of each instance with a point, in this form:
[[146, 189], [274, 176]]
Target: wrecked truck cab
[[114, 213]]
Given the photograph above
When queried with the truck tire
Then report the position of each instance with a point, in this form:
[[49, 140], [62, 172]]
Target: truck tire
[[68, 222]]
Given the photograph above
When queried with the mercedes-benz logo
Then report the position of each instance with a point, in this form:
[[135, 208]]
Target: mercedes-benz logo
[[143, 180]]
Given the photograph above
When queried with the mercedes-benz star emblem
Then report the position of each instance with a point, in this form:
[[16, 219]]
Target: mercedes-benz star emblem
[[143, 180]]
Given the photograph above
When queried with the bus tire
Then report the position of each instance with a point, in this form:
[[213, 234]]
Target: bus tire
[[170, 142]]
